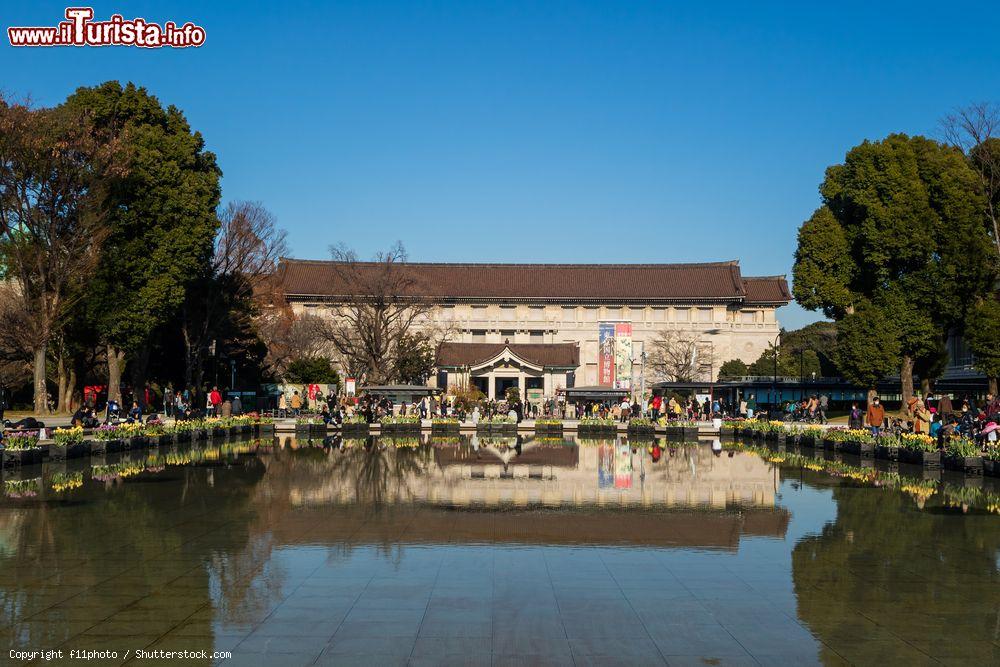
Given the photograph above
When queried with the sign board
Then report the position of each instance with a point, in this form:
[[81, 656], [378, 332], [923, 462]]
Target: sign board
[[350, 386]]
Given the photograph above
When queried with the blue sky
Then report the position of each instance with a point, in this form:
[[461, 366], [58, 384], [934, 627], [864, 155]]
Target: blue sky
[[541, 131]]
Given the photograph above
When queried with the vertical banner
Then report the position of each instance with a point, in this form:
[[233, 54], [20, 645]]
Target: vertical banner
[[623, 355], [606, 354]]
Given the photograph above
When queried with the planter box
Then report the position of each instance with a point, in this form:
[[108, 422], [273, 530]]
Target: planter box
[[832, 445], [219, 432], [920, 457], [727, 434], [22, 457], [991, 467], [98, 447], [199, 434], [164, 440], [138, 442], [690, 432], [445, 428], [674, 432], [355, 430], [395, 429], [75, 451], [807, 441], [641, 430], [265, 428], [112, 446], [970, 465], [862, 449], [886, 452]]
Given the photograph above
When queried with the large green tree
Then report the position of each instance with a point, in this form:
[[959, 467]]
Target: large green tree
[[901, 230], [983, 337], [162, 224]]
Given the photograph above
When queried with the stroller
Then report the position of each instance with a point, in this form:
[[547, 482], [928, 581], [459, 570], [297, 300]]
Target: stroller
[[113, 412]]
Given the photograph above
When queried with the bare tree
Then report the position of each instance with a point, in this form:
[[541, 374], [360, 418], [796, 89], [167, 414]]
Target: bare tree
[[680, 357], [375, 306], [247, 249], [974, 130], [15, 337], [52, 169]]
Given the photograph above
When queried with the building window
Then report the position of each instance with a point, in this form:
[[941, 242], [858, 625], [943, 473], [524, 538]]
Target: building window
[[507, 335], [613, 313], [508, 313], [590, 314], [747, 316], [682, 314], [569, 314], [659, 314], [537, 313], [705, 314], [537, 337], [478, 335]]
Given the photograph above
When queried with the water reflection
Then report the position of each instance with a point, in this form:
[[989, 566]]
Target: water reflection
[[289, 550]]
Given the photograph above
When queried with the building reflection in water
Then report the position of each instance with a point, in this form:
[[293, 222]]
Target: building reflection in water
[[205, 545]]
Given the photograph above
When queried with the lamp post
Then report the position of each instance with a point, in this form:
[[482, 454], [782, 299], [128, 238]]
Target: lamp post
[[774, 383]]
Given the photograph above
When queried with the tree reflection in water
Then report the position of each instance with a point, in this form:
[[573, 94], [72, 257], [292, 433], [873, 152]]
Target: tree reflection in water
[[885, 569]]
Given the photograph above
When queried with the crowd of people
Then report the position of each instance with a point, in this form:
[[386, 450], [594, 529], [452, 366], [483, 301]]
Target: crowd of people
[[935, 416]]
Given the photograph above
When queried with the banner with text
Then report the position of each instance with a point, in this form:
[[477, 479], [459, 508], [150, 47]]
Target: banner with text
[[606, 354], [623, 355]]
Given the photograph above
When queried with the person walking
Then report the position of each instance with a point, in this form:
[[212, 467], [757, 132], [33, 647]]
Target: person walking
[[875, 416], [215, 400], [296, 403], [921, 418]]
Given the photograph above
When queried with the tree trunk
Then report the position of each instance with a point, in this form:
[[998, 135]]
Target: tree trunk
[[71, 391], [906, 378], [62, 382], [925, 386], [41, 394], [993, 385], [872, 393], [116, 364]]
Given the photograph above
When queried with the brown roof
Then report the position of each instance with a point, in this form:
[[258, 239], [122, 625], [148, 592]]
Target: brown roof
[[566, 355], [550, 282], [769, 289]]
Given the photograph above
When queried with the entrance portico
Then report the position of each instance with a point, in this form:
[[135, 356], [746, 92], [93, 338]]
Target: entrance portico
[[540, 369]]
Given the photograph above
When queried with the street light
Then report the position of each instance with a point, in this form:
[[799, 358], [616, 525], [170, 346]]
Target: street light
[[774, 384]]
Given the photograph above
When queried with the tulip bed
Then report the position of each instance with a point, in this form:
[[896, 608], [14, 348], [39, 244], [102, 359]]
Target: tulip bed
[[73, 442], [955, 453], [925, 492]]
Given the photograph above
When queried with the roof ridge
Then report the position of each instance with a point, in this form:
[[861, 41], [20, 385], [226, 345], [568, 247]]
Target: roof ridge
[[679, 265]]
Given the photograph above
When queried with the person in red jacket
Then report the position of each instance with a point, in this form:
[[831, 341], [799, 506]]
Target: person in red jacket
[[216, 398]]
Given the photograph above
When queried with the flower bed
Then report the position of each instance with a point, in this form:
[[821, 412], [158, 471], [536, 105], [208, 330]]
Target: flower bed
[[963, 455], [66, 481], [641, 425], [445, 425], [21, 489], [21, 449], [548, 426], [597, 425], [497, 424], [68, 443], [918, 449]]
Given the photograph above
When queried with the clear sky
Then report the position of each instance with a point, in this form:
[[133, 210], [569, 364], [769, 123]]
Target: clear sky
[[540, 131]]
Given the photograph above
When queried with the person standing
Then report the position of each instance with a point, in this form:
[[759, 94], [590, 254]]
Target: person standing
[[214, 400], [921, 418], [854, 419], [168, 401], [751, 406], [296, 403], [875, 416]]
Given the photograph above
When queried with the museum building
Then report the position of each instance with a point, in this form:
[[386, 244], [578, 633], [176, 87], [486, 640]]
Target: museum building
[[547, 327]]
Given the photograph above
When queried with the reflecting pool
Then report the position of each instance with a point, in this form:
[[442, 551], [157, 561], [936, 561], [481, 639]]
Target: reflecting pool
[[480, 550]]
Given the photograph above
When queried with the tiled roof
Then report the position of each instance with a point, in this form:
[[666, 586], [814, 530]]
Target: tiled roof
[[551, 282], [766, 290], [565, 355]]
